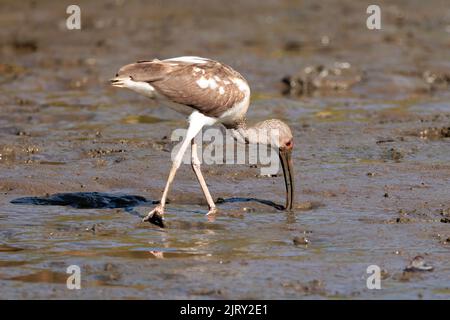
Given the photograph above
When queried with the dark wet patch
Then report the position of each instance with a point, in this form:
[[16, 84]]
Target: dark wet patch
[[8, 264], [46, 276], [52, 163], [24, 46], [292, 46], [6, 248], [445, 220], [392, 154], [86, 200]]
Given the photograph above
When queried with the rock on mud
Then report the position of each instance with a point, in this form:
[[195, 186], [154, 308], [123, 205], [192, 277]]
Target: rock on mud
[[436, 79], [418, 264], [435, 133], [339, 77], [300, 241]]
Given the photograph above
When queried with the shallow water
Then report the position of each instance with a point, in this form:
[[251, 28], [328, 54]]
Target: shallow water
[[371, 189]]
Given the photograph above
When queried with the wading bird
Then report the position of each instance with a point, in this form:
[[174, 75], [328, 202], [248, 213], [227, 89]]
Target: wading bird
[[209, 92]]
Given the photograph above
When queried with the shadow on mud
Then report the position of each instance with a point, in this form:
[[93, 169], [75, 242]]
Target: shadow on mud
[[87, 200], [238, 199], [101, 200]]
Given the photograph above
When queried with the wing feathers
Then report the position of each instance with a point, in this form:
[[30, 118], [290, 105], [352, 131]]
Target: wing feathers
[[205, 85]]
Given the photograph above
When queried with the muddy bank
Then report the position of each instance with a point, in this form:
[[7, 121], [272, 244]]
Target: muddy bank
[[371, 157]]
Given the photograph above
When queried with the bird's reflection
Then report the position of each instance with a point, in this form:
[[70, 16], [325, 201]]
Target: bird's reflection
[[290, 218], [211, 217]]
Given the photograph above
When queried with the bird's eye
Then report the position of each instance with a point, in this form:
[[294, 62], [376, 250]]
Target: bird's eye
[[117, 74], [289, 144], [131, 78]]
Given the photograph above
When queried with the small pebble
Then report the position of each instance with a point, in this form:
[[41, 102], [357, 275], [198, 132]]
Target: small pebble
[[300, 241], [445, 220]]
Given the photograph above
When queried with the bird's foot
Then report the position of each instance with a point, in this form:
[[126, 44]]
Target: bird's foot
[[212, 211], [211, 215], [156, 217]]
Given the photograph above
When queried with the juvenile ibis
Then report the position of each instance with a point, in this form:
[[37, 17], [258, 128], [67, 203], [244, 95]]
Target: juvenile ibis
[[208, 92]]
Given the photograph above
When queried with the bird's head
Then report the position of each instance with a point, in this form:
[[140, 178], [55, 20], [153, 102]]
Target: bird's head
[[123, 76], [133, 77], [282, 138]]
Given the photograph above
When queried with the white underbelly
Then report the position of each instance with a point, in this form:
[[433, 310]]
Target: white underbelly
[[237, 112]]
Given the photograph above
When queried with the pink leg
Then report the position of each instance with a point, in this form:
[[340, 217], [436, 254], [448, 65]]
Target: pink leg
[[196, 167]]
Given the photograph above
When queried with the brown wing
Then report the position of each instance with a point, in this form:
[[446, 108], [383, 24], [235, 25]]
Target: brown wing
[[209, 87]]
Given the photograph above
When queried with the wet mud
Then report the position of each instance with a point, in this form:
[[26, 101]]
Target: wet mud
[[81, 163]]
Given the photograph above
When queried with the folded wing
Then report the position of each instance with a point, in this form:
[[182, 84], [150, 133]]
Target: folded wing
[[208, 86]]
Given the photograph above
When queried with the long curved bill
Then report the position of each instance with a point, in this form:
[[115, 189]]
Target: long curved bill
[[288, 172]]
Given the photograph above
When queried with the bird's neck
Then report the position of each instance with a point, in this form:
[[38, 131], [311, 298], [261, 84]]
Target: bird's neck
[[240, 131], [249, 134]]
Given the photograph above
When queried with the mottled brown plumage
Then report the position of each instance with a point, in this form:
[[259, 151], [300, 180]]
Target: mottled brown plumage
[[179, 81]]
